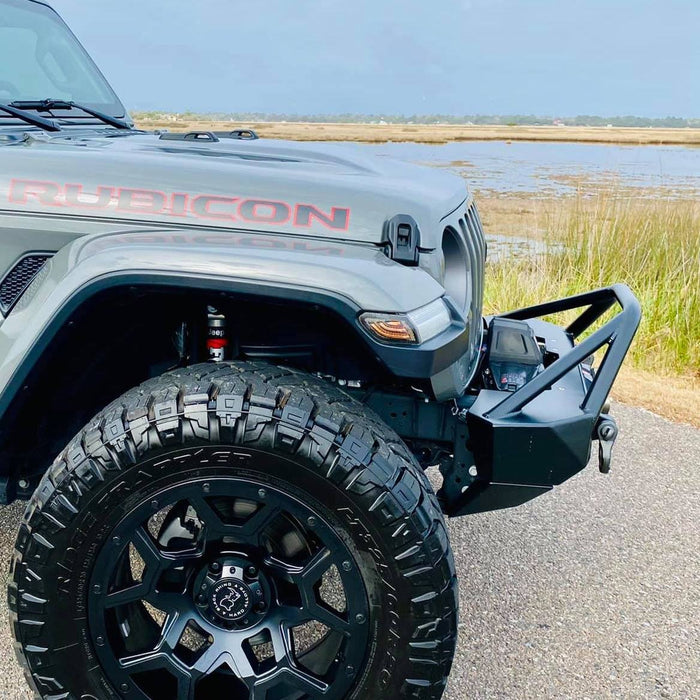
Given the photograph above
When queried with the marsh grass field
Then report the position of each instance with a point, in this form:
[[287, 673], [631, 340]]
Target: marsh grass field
[[598, 234], [438, 133]]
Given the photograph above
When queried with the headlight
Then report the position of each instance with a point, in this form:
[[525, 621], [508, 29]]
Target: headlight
[[415, 327]]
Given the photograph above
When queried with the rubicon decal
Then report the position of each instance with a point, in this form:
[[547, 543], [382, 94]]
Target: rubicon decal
[[211, 207]]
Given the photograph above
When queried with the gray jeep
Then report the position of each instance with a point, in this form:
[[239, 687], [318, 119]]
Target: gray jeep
[[303, 328]]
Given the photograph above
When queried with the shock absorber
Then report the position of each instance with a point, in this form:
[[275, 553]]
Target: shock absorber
[[216, 334]]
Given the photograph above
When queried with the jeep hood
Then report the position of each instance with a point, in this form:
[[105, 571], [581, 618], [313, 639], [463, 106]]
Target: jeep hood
[[326, 190]]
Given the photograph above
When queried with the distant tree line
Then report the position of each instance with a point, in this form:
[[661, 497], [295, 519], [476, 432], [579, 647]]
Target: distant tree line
[[481, 119]]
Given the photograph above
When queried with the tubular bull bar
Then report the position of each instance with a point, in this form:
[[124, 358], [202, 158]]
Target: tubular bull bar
[[529, 440]]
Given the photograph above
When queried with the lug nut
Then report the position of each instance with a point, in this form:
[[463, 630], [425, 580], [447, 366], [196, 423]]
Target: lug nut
[[215, 567], [261, 607], [251, 572], [201, 599]]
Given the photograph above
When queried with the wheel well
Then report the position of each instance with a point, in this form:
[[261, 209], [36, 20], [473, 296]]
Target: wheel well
[[121, 337]]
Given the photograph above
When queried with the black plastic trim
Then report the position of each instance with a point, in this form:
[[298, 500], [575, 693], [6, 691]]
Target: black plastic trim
[[210, 136], [5, 308], [402, 238]]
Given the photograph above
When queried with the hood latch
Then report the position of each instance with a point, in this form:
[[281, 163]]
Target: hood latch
[[402, 239]]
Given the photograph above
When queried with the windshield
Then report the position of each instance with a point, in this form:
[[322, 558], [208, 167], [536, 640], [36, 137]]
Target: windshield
[[40, 58]]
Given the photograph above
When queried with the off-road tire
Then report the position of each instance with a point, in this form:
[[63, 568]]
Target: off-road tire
[[371, 483]]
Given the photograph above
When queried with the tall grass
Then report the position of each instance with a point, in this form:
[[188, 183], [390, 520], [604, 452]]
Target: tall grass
[[653, 246]]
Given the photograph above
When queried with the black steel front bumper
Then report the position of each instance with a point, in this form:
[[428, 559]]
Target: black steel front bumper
[[527, 441]]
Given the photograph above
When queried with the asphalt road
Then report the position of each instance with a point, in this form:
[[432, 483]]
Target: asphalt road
[[592, 591]]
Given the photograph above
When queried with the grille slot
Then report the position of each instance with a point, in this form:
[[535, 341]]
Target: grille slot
[[19, 278], [476, 231], [476, 247]]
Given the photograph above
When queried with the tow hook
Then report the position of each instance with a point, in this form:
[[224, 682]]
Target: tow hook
[[606, 432]]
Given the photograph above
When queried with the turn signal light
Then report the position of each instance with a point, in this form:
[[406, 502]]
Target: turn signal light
[[415, 327], [394, 330]]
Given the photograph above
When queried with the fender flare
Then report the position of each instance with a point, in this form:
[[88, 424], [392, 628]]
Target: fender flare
[[347, 280]]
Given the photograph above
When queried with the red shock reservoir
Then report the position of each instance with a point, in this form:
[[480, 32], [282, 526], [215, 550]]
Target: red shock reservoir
[[216, 334]]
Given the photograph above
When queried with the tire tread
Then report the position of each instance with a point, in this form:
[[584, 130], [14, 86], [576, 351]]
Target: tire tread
[[265, 406]]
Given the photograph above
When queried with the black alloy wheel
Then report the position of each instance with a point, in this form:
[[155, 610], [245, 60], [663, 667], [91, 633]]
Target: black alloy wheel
[[234, 530], [220, 585]]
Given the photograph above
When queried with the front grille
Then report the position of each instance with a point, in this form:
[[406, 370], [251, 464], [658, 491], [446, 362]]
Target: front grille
[[475, 240], [19, 278]]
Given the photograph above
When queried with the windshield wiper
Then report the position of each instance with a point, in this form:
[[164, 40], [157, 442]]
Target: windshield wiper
[[48, 105], [33, 119]]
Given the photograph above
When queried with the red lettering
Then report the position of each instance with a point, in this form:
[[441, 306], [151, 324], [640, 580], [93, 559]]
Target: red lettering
[[75, 197], [177, 204], [46, 193], [263, 211], [306, 214], [202, 207], [142, 201]]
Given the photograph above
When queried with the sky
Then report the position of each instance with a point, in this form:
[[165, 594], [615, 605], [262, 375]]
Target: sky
[[546, 57]]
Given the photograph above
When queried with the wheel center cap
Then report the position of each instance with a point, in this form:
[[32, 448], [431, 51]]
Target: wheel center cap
[[231, 599]]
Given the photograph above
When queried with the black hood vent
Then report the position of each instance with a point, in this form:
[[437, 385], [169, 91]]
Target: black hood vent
[[16, 281]]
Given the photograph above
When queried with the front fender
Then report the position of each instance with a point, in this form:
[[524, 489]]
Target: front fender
[[345, 278]]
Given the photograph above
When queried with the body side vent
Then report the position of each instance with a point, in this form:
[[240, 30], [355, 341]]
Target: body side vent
[[20, 276]]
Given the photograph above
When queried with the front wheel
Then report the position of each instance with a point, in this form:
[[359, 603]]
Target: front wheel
[[234, 530]]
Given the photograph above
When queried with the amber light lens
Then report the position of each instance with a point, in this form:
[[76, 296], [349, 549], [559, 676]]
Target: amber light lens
[[417, 326], [394, 330]]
